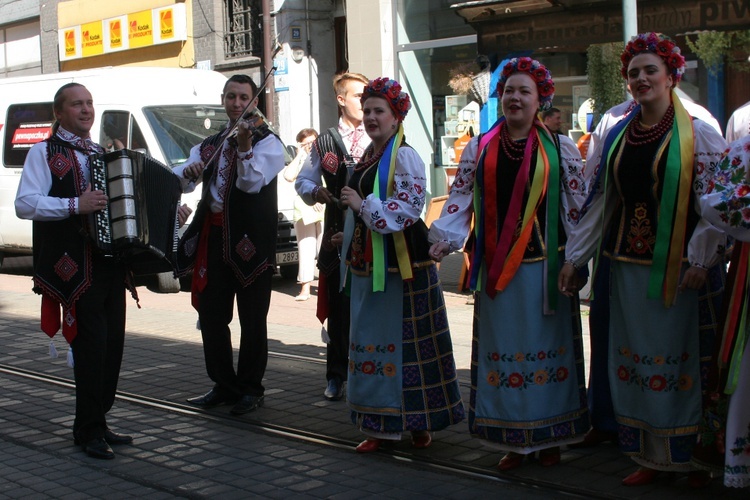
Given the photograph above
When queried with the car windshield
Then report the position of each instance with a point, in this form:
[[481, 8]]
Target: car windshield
[[179, 128]]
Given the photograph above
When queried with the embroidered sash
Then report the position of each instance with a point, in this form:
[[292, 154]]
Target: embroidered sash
[[735, 331], [500, 252]]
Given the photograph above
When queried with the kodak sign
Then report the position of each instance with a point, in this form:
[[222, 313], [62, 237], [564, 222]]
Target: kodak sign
[[124, 32], [92, 39]]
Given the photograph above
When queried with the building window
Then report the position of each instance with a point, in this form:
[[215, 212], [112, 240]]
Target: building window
[[243, 28]]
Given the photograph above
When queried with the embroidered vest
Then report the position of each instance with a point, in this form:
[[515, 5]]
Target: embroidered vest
[[249, 222], [632, 235], [333, 166], [61, 252]]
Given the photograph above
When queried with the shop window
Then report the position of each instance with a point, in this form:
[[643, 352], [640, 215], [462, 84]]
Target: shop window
[[243, 28]]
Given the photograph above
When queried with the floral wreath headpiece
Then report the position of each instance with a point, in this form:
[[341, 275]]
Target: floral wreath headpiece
[[655, 43], [538, 72], [390, 90]]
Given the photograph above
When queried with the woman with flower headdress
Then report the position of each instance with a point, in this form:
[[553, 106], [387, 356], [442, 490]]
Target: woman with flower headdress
[[522, 184], [651, 169], [402, 375]]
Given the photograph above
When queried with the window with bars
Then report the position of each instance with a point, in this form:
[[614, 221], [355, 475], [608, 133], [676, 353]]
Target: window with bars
[[243, 28]]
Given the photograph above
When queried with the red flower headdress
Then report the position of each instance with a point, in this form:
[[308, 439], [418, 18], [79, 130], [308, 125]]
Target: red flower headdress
[[538, 72], [390, 90], [655, 43]]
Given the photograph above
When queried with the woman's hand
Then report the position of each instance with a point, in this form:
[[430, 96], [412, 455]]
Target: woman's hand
[[567, 280], [694, 278], [350, 198], [439, 250]]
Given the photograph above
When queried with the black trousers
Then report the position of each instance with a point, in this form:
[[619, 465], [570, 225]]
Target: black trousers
[[215, 312], [337, 350], [98, 346]]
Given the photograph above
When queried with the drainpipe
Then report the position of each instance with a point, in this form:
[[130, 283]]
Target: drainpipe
[[268, 61], [309, 61]]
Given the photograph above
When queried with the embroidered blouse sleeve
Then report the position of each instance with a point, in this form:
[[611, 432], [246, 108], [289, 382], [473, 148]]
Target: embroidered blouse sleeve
[[572, 184], [404, 207], [32, 200], [583, 237], [257, 168], [726, 203], [707, 245], [454, 223]]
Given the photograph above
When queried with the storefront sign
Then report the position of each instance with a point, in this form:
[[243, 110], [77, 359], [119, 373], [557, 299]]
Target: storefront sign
[[92, 39], [575, 28], [128, 31]]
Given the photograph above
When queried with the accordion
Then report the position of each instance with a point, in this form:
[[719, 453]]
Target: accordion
[[139, 223]]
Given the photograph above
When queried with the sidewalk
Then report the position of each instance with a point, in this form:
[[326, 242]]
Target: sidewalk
[[204, 454]]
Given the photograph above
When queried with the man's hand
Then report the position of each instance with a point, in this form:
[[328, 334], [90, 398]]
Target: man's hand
[[183, 213], [193, 171], [91, 201], [337, 239], [323, 196]]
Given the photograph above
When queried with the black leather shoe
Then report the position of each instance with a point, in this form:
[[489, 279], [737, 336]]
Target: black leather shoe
[[247, 404], [98, 448], [113, 438], [335, 390], [212, 398]]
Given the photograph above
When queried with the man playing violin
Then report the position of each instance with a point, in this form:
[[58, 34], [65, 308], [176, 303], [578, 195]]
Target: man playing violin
[[230, 246]]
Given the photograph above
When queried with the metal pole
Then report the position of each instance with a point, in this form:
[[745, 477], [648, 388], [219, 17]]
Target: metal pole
[[629, 19], [268, 60]]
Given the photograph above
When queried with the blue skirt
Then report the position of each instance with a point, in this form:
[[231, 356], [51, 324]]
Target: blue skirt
[[656, 368], [528, 390], [402, 374]]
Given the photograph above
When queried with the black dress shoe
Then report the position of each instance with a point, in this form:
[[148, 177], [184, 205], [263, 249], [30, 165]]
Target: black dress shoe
[[247, 404], [113, 438], [98, 448], [335, 390], [212, 398]]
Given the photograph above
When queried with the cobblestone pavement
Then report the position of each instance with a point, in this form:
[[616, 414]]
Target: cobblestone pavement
[[181, 452]]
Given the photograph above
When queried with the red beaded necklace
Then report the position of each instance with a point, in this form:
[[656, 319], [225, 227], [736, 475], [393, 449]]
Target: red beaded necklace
[[639, 135], [514, 150]]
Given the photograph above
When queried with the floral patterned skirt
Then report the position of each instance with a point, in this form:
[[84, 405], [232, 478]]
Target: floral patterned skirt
[[655, 370], [528, 390], [402, 374]]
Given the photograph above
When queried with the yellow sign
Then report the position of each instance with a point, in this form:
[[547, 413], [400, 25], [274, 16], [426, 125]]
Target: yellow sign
[[127, 31], [140, 29], [92, 41], [70, 42], [166, 24], [115, 33]]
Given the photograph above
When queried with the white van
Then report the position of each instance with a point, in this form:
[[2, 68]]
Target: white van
[[161, 111]]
